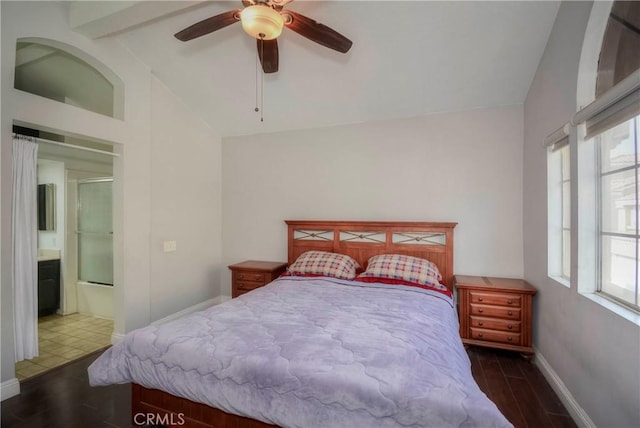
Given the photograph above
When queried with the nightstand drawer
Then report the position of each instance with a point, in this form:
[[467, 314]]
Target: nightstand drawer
[[495, 336], [495, 324], [496, 311], [247, 286], [251, 276], [512, 300]]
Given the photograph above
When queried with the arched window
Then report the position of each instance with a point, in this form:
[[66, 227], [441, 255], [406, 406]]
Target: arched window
[[63, 73], [610, 149], [620, 52]]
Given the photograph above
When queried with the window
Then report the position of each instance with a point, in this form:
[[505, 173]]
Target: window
[[619, 52], [618, 212], [559, 215], [608, 237]]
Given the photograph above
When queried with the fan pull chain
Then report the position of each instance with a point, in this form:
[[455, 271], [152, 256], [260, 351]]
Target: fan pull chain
[[257, 109], [260, 54], [262, 98], [261, 81]]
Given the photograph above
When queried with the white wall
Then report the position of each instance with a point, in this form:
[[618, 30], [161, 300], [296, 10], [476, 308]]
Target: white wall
[[7, 367], [185, 201], [135, 173], [594, 352], [463, 167]]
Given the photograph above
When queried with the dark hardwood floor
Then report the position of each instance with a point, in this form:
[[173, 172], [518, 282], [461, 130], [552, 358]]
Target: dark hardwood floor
[[63, 398], [518, 388]]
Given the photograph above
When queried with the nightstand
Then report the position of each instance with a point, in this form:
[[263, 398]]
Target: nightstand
[[495, 312], [252, 274]]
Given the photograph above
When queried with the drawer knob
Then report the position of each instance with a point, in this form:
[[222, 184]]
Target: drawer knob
[[510, 301], [480, 323], [481, 310], [479, 299], [510, 339], [480, 335], [241, 276], [509, 326], [257, 276], [510, 313]]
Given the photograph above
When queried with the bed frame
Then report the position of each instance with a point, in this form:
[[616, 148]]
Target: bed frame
[[358, 239]]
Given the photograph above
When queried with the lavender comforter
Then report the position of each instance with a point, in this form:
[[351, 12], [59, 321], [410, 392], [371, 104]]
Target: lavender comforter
[[313, 353]]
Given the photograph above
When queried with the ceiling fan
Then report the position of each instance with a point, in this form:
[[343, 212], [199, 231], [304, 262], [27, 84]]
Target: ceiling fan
[[264, 20]]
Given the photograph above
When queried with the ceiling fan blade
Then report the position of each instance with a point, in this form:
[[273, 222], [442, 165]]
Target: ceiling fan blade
[[268, 53], [208, 25], [317, 32]]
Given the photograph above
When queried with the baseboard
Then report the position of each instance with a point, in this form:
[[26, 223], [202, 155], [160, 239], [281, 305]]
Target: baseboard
[[9, 388], [195, 308], [579, 415], [116, 337]]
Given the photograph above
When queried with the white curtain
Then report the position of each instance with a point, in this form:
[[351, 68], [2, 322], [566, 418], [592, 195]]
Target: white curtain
[[25, 247]]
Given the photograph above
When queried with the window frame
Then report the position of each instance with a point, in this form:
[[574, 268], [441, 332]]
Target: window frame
[[585, 272], [559, 210], [601, 233]]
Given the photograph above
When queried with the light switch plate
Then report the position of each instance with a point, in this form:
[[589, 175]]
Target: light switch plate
[[169, 246]]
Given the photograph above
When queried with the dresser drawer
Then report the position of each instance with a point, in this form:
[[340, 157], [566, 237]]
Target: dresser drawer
[[495, 336], [512, 300], [258, 277], [496, 324], [496, 311]]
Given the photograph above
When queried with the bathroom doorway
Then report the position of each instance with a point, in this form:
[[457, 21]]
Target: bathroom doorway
[[80, 244]]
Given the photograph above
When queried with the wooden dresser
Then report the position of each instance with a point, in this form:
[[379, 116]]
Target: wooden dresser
[[252, 274], [495, 312]]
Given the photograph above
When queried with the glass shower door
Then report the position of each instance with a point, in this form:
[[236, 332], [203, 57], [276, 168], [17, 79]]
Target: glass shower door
[[95, 231]]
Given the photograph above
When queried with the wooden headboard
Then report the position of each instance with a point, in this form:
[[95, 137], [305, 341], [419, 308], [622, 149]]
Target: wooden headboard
[[364, 239]]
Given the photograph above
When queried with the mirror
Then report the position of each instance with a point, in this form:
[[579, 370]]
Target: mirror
[[47, 206]]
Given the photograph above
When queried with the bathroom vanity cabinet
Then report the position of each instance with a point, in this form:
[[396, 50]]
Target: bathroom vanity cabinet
[[48, 287]]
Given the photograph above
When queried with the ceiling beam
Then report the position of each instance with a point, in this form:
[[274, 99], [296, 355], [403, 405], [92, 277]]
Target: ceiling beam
[[96, 19]]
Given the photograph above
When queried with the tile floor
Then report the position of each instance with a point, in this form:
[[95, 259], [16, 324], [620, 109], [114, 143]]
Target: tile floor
[[63, 339]]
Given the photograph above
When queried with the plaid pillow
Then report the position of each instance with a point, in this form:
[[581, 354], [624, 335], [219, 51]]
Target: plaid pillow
[[322, 263], [403, 268]]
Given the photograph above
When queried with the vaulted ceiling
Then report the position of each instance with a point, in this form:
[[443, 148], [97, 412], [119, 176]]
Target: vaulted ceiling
[[408, 59]]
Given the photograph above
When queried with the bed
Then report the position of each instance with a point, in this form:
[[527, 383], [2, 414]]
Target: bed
[[316, 350]]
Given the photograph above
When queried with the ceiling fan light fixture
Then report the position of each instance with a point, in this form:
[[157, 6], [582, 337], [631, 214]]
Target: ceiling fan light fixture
[[261, 22]]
